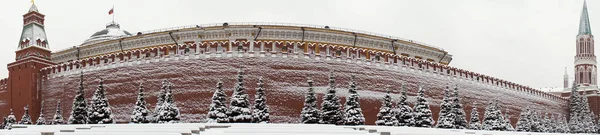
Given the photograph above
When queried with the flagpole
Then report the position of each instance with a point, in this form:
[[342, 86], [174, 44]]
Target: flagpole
[[113, 14]]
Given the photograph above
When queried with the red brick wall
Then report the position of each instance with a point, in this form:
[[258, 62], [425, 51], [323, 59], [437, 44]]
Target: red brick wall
[[285, 80]]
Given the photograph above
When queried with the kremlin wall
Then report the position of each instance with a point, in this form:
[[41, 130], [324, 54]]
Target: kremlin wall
[[194, 57]]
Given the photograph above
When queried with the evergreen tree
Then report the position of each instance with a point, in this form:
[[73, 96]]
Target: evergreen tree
[[331, 104], [586, 116], [310, 113], [160, 100], [58, 118], [168, 111], [261, 109], [507, 122], [41, 120], [403, 112], [460, 121], [565, 125], [140, 111], [79, 114], [536, 125], [10, 119], [475, 123], [26, 119], [551, 123], [4, 123], [352, 112], [525, 122], [100, 112], [492, 119], [385, 117], [446, 116], [422, 114], [574, 111], [239, 108], [218, 108]]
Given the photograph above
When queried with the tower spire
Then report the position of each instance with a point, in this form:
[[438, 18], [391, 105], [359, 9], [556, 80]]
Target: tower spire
[[584, 21], [566, 79]]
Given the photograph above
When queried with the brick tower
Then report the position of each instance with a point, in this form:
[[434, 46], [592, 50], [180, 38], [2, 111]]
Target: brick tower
[[24, 74]]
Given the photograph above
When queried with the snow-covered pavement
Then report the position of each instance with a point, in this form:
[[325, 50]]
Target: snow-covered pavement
[[240, 129]]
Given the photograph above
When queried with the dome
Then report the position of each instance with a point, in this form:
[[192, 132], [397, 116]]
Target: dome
[[112, 31]]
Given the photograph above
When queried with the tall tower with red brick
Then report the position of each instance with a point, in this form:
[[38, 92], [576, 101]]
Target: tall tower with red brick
[[585, 58], [32, 54]]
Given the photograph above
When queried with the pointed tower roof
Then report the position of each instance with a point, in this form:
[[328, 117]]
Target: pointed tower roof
[[584, 22], [33, 8]]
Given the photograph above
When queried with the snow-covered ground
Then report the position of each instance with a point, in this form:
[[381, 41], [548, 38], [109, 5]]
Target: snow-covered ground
[[195, 77], [241, 129]]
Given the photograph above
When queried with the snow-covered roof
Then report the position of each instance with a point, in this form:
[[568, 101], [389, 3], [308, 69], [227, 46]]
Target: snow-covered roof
[[33, 8], [112, 31]]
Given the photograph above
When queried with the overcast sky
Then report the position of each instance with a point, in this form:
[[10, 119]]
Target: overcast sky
[[528, 42]]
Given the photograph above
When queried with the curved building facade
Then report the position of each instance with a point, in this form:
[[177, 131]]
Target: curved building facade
[[195, 57]]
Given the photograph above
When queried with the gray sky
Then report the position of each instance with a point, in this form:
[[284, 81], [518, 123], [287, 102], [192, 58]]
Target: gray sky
[[524, 41]]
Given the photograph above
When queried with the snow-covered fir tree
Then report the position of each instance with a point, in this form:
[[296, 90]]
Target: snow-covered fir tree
[[352, 112], [260, 114], [446, 116], [160, 100], [474, 123], [331, 104], [507, 122], [218, 107], [26, 119], [422, 114], [551, 123], [525, 122], [536, 123], [403, 112], [564, 124], [140, 111], [493, 119], [586, 115], [79, 111], [460, 121], [100, 112], [4, 123], [41, 120], [168, 111], [58, 118], [10, 119], [239, 107], [386, 117], [575, 126], [310, 113]]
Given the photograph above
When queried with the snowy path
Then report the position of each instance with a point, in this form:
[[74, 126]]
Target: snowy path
[[240, 129]]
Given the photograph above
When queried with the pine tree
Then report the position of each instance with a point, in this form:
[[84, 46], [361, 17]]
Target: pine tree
[[565, 124], [574, 111], [10, 119], [4, 123], [239, 108], [525, 122], [41, 120], [492, 119], [58, 118], [385, 117], [140, 111], [168, 111], [460, 121], [261, 109], [507, 122], [310, 113], [160, 100], [446, 116], [26, 119], [352, 112], [79, 114], [475, 123], [218, 108], [586, 116], [551, 123], [403, 112], [100, 108], [422, 115], [331, 105]]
